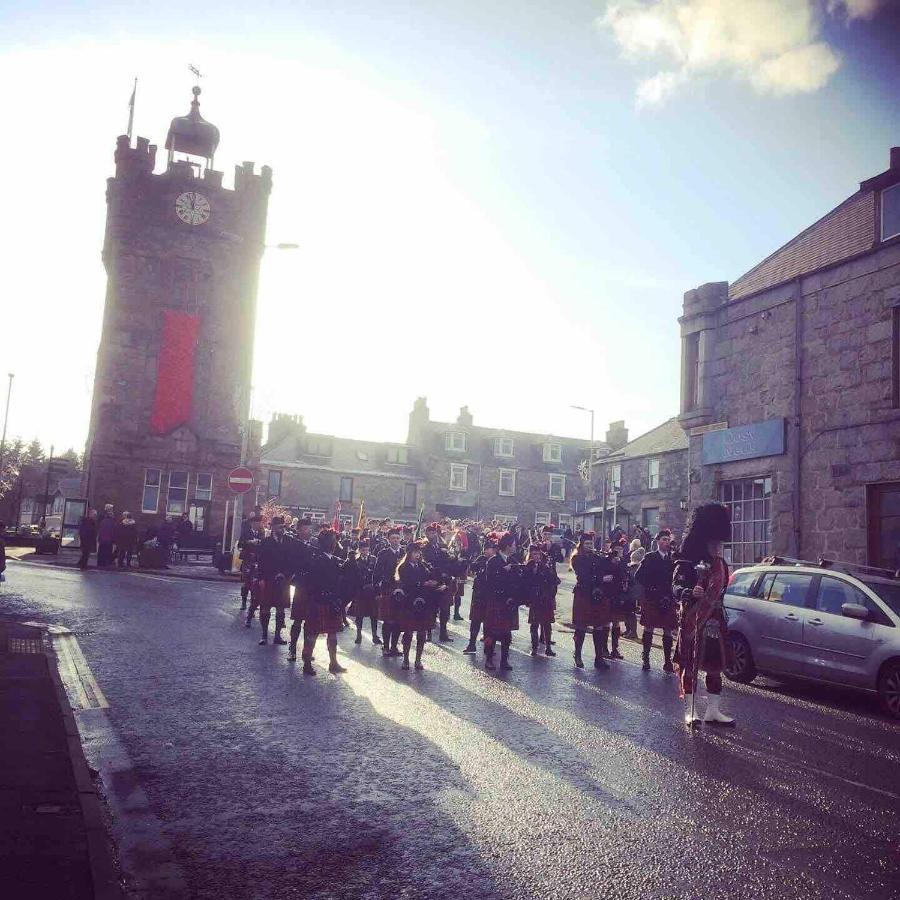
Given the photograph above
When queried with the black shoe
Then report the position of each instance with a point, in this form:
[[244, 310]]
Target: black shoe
[[243, 606], [579, 662], [292, 656], [376, 641], [264, 640], [279, 640], [668, 667], [457, 617], [358, 639], [549, 652], [308, 669], [534, 651], [616, 655], [489, 663], [646, 664], [248, 623], [600, 663], [505, 666], [418, 665], [405, 665], [470, 648], [445, 638]]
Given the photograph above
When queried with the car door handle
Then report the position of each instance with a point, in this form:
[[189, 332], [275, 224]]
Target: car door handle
[[792, 617], [815, 621]]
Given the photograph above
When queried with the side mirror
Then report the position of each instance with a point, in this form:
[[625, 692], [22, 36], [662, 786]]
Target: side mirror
[[855, 611]]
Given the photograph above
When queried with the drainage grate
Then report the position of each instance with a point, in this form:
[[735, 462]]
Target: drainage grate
[[25, 645]]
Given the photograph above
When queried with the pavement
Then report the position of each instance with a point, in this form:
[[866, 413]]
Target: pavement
[[228, 774]]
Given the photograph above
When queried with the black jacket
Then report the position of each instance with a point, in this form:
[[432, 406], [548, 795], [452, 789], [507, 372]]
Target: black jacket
[[276, 557], [386, 565], [654, 574]]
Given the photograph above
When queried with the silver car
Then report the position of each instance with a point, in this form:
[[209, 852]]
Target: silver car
[[825, 622]]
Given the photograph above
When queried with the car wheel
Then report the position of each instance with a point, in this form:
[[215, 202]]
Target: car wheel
[[889, 689], [740, 667]]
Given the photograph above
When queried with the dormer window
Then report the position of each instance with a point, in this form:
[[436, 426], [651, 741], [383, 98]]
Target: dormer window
[[503, 447], [890, 212], [552, 452], [456, 441], [398, 455]]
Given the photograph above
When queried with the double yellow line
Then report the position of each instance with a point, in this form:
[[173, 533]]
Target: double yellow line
[[76, 674]]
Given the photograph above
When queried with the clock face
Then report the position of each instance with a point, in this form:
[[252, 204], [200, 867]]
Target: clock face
[[192, 208]]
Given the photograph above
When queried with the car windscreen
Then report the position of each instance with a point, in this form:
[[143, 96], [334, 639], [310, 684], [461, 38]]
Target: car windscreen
[[890, 593]]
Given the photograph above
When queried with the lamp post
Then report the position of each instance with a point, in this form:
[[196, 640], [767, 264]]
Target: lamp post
[[590, 448], [238, 509], [5, 420]]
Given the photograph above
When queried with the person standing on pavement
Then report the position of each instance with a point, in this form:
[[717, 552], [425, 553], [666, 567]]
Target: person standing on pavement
[[106, 538], [184, 531], [504, 585], [436, 556], [165, 535], [590, 604], [542, 583], [325, 613], [478, 601], [422, 589], [385, 582], [248, 547], [636, 553], [276, 557], [303, 552], [365, 603], [698, 583], [87, 537], [654, 576], [125, 536]]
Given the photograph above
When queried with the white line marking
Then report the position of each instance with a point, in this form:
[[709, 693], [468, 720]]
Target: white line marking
[[76, 674]]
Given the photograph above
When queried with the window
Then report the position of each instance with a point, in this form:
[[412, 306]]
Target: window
[[57, 508], [203, 486], [542, 518], [456, 441], [786, 588], [895, 357], [398, 455], [749, 502], [557, 487], [150, 498], [346, 495], [741, 584], [652, 474], [507, 482], [692, 371], [565, 520], [318, 446], [552, 452], [503, 447], [362, 456], [409, 496], [176, 500], [650, 519], [834, 593], [273, 487], [504, 520], [615, 478], [890, 212], [458, 476]]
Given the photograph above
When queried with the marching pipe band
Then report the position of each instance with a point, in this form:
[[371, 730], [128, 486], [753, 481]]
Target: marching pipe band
[[411, 585]]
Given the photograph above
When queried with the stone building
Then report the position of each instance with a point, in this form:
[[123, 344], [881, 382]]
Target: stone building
[[171, 389], [474, 471], [645, 482], [790, 388]]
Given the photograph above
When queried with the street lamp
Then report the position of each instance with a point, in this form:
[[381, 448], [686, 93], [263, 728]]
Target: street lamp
[[5, 420]]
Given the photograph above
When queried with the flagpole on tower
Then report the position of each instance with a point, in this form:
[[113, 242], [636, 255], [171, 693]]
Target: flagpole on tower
[[131, 110]]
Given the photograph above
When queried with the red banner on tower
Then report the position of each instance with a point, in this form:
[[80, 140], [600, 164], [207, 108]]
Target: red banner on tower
[[174, 396]]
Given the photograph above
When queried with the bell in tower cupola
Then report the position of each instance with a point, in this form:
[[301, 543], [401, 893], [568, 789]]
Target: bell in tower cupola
[[192, 134]]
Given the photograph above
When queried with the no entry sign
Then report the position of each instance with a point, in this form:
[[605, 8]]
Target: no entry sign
[[240, 480]]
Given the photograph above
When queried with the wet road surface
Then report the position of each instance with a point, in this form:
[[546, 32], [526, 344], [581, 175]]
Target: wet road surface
[[546, 782]]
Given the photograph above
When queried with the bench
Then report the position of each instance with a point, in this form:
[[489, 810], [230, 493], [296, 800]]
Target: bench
[[196, 553]]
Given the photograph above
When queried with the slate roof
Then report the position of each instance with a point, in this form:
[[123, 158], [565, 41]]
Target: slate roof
[[665, 438]]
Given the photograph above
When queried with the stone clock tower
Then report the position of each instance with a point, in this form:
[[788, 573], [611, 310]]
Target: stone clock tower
[[172, 385]]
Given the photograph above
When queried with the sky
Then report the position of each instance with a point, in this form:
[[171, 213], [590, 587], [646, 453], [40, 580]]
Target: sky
[[497, 203]]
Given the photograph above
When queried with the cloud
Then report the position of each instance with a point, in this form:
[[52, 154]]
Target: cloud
[[775, 45]]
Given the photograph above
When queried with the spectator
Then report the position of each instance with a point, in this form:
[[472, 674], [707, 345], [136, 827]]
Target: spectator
[[106, 535], [87, 536], [165, 537], [126, 540], [184, 531]]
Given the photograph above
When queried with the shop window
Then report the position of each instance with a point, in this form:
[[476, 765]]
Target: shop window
[[150, 497], [749, 500]]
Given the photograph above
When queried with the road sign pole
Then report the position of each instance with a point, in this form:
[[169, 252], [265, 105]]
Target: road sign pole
[[225, 526]]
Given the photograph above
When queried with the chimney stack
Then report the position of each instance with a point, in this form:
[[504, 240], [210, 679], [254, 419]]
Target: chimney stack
[[617, 435]]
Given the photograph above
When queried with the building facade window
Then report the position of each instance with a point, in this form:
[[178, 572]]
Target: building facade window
[[650, 519], [890, 212], [552, 452], [409, 496], [557, 487], [565, 520], [503, 447], [346, 495], [150, 496], [273, 485], [504, 520], [398, 455], [456, 441], [749, 500], [203, 486], [459, 476], [615, 478], [507, 483], [542, 518], [895, 357], [692, 371], [652, 474], [176, 499]]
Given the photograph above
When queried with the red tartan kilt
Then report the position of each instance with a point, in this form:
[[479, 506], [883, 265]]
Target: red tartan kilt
[[275, 597], [542, 610], [588, 612], [322, 618], [365, 603], [411, 619], [300, 603], [653, 617], [477, 607], [256, 591], [387, 607], [500, 618]]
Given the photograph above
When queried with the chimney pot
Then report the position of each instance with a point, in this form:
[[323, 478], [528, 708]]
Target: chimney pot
[[895, 157]]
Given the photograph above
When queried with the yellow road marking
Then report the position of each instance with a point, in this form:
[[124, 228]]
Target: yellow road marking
[[76, 674]]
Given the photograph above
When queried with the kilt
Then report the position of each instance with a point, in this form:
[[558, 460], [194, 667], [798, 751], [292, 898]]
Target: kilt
[[588, 612], [274, 595], [321, 617], [500, 618], [445, 598], [477, 606], [412, 618], [387, 607], [653, 615], [300, 603], [712, 648], [542, 609], [365, 603]]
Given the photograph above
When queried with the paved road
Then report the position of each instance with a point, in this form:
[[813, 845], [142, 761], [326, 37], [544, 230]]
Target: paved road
[[547, 782]]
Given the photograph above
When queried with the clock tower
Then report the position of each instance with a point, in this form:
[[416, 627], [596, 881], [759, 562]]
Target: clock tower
[[172, 384]]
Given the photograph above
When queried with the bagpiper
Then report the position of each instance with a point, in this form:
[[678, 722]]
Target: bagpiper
[[478, 601], [361, 569], [590, 604], [503, 579], [385, 584], [658, 610], [419, 596], [445, 569], [326, 602], [698, 583], [303, 550], [276, 559], [542, 583], [249, 555]]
